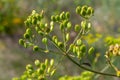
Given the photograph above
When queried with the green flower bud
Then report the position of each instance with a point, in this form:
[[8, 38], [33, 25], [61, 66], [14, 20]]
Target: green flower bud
[[51, 23], [85, 7], [33, 12], [61, 26], [49, 69], [84, 25], [91, 50], [29, 71], [46, 62], [42, 14], [65, 23], [37, 63], [51, 28], [67, 15], [77, 27], [74, 49], [26, 36], [34, 21], [89, 25], [69, 25], [60, 44], [29, 31], [83, 48], [78, 9], [83, 13], [43, 66], [53, 18], [77, 49], [44, 40], [51, 62], [54, 38], [52, 73], [71, 46], [35, 48], [67, 37], [40, 71], [21, 41], [79, 42], [27, 23], [62, 16], [89, 11], [57, 18], [29, 66]]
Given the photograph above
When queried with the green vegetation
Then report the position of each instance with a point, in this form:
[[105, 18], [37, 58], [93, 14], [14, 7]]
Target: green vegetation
[[75, 51], [61, 42]]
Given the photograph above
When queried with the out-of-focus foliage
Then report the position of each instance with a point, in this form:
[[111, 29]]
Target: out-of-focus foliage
[[10, 19], [109, 40]]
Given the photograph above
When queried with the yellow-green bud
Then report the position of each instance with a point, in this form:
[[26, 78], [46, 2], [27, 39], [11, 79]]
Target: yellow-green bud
[[26, 36], [52, 73], [78, 9], [69, 25], [77, 27], [60, 44], [79, 42], [53, 18], [51, 62], [62, 16], [46, 62], [91, 50], [21, 41], [37, 63], [35, 48], [67, 15], [44, 40], [29, 31], [29, 66], [67, 37], [83, 48]]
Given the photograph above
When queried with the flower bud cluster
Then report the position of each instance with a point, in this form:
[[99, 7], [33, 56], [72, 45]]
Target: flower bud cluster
[[114, 50], [79, 49], [63, 20], [34, 18], [85, 11], [40, 72]]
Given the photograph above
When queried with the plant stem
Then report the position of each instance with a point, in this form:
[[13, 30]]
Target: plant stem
[[80, 32], [83, 67], [88, 68]]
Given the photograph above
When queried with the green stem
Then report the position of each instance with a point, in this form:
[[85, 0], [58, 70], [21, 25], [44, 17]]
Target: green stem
[[83, 67], [110, 63], [64, 40], [88, 68], [80, 32], [103, 70]]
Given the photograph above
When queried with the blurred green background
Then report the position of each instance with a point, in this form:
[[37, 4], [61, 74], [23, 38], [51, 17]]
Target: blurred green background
[[13, 57]]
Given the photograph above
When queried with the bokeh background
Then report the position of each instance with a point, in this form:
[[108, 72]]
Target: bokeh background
[[13, 13]]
